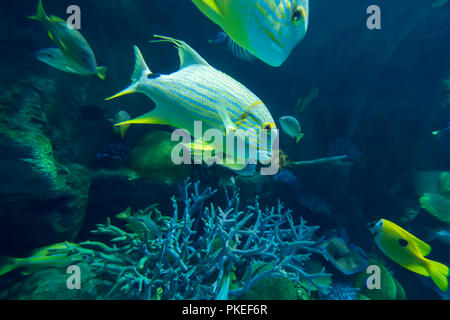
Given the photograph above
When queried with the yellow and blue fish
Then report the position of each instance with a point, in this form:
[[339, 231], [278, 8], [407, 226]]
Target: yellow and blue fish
[[199, 92], [409, 252], [267, 29], [73, 54]]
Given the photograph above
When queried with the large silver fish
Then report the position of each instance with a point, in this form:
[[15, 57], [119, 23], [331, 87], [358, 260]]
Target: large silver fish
[[198, 92]]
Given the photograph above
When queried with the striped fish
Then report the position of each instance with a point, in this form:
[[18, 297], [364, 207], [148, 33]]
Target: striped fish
[[267, 29], [198, 92]]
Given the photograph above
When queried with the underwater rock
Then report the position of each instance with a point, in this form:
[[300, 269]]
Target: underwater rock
[[390, 288], [444, 184], [426, 181], [51, 284], [272, 289], [151, 159], [437, 205], [39, 196]]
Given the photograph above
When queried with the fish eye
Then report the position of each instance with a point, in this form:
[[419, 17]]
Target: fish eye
[[268, 126], [298, 15]]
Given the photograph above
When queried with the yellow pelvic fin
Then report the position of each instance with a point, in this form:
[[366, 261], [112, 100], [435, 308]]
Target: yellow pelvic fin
[[148, 118], [439, 273]]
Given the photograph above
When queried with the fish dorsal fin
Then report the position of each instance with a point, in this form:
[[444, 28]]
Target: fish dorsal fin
[[188, 56], [140, 68]]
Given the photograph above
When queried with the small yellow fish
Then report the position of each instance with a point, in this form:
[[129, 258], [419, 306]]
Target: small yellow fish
[[50, 256], [121, 116], [409, 252], [267, 29], [73, 55]]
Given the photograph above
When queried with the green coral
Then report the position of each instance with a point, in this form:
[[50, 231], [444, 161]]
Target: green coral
[[152, 159], [444, 184], [390, 288], [437, 205], [279, 288]]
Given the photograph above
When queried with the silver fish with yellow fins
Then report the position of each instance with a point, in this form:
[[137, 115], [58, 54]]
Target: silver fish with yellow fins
[[57, 254], [74, 54], [409, 252], [199, 92], [267, 29]]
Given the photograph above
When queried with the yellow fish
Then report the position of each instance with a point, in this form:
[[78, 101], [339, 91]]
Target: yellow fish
[[409, 252], [267, 29], [74, 54], [50, 256]]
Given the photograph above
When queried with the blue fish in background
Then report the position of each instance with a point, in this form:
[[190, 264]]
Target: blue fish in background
[[443, 128], [113, 154]]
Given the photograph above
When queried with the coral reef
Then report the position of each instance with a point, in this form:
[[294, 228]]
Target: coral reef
[[199, 248], [390, 288]]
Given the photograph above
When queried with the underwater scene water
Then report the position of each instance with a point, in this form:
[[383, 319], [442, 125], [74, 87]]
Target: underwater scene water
[[225, 150]]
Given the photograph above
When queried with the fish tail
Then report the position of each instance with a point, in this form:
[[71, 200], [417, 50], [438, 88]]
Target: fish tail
[[7, 265], [439, 273], [299, 137], [141, 71], [101, 72], [40, 16]]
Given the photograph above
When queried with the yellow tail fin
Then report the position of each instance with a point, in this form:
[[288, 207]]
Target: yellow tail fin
[[101, 72], [40, 15], [439, 273], [7, 265]]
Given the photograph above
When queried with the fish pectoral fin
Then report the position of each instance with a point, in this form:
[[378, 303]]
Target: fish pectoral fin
[[188, 56], [239, 52], [224, 115]]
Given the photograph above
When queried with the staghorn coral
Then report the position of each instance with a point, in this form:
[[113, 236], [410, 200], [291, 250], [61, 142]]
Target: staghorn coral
[[203, 251]]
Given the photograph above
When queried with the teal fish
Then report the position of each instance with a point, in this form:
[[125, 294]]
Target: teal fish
[[291, 127], [267, 29], [198, 92], [73, 55]]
